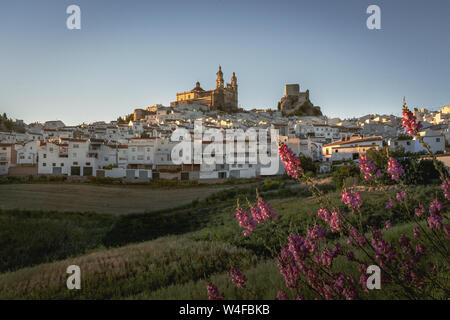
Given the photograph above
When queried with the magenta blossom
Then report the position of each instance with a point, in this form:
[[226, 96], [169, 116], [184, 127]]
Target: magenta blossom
[[388, 224], [352, 200], [446, 189], [282, 295], [238, 278], [395, 169], [434, 221], [246, 221], [336, 221], [291, 161], [410, 122], [323, 214], [416, 232], [390, 204], [213, 293], [366, 167], [267, 211], [435, 206], [401, 196], [256, 214], [419, 211]]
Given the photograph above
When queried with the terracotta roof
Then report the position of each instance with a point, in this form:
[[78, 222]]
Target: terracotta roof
[[338, 143]]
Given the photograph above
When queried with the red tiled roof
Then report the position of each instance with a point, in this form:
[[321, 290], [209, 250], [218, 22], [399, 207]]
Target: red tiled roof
[[338, 143]]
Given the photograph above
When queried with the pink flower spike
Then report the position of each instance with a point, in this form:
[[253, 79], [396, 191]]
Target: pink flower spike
[[388, 224], [410, 122], [238, 278], [290, 160]]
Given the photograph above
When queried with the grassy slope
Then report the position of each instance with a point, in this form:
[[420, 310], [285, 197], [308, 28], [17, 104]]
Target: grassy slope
[[177, 266]]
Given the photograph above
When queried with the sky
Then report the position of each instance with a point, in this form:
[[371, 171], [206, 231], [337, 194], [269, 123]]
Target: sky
[[135, 53]]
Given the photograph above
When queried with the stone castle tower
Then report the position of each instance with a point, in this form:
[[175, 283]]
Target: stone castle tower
[[223, 97]]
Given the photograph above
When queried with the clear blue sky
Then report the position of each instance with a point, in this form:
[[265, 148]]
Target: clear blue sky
[[137, 53]]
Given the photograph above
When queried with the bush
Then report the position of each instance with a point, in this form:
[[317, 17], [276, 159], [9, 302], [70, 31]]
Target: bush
[[342, 173]]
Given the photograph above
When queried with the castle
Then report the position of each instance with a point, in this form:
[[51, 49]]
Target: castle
[[296, 102], [222, 97]]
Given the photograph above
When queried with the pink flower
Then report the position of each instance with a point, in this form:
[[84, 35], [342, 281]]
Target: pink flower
[[366, 167], [297, 247], [446, 189], [434, 221], [336, 223], [409, 122], [435, 206], [291, 161], [388, 224], [390, 204], [267, 211], [352, 200], [282, 295], [256, 214], [316, 233], [416, 232], [401, 196], [357, 236], [447, 231], [213, 293], [419, 211], [288, 268], [238, 278], [246, 221], [395, 169], [323, 214]]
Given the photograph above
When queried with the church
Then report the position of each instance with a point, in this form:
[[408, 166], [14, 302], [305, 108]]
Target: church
[[221, 98]]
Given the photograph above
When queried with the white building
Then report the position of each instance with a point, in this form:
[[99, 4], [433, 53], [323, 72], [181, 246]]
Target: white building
[[351, 149]]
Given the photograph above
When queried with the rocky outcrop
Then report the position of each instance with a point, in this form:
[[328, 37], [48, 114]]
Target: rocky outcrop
[[298, 106]]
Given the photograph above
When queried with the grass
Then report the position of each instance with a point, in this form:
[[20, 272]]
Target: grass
[[33, 237], [115, 200], [126, 271], [171, 253]]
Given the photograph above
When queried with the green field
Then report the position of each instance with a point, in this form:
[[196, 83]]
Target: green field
[[169, 253]]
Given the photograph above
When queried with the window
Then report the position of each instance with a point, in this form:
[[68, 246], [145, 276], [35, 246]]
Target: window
[[75, 163], [76, 146], [74, 155], [44, 164], [438, 139], [62, 164], [45, 156], [54, 164], [88, 163]]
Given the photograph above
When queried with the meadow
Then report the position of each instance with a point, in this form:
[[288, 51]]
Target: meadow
[[170, 253]]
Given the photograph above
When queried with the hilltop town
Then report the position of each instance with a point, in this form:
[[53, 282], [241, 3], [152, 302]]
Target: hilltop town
[[138, 146]]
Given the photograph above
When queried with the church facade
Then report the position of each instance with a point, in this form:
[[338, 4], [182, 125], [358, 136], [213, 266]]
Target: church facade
[[223, 97]]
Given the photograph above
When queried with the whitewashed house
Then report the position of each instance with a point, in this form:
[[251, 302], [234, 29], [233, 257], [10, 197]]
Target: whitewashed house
[[7, 157], [350, 149]]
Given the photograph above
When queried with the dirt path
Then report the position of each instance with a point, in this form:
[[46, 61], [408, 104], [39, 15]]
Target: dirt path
[[102, 199]]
